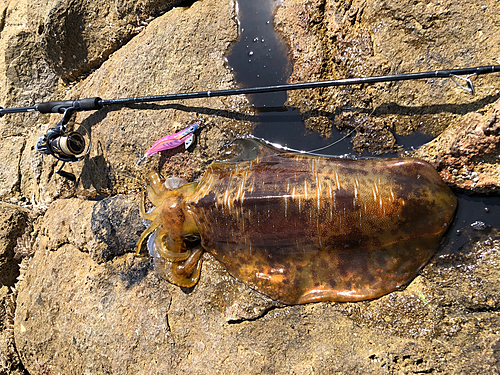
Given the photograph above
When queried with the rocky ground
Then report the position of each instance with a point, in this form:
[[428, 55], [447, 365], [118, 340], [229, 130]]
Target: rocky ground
[[74, 298]]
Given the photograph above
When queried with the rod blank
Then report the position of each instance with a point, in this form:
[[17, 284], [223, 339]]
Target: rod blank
[[308, 85]]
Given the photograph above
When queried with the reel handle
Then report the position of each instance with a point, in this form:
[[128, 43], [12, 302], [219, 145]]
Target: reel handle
[[69, 176]]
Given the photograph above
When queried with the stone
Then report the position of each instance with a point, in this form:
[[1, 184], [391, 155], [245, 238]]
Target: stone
[[78, 36], [105, 229], [467, 153], [119, 304], [115, 222], [13, 221], [10, 157]]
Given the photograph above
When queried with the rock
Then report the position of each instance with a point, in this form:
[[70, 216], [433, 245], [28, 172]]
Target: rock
[[12, 224], [159, 60], [336, 39], [78, 36], [45, 41], [10, 157], [105, 229], [13, 221], [451, 307], [76, 315], [67, 38], [26, 77], [467, 153], [10, 363], [115, 222]]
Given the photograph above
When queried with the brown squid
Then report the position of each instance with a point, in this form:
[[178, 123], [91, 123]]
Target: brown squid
[[301, 228]]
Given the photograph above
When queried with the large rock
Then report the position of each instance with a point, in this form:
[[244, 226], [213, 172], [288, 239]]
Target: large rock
[[49, 39], [13, 222], [25, 78], [78, 314], [10, 158], [78, 35], [104, 229], [159, 60]]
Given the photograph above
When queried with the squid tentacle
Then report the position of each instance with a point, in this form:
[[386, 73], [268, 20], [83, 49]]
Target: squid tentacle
[[152, 227], [142, 209], [187, 273], [171, 252]]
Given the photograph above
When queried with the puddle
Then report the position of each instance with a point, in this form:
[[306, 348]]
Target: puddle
[[477, 218], [413, 141], [260, 58]]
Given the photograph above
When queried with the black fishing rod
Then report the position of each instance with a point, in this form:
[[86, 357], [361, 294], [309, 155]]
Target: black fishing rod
[[71, 145]]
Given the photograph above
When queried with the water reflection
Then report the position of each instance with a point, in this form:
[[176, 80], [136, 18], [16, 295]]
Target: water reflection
[[260, 56], [477, 218]]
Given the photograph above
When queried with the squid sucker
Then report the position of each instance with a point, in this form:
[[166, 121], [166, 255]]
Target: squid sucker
[[300, 228]]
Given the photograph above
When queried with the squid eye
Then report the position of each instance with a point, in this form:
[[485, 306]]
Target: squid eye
[[190, 238]]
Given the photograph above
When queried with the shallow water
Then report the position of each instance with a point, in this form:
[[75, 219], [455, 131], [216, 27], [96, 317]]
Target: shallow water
[[477, 218], [260, 58]]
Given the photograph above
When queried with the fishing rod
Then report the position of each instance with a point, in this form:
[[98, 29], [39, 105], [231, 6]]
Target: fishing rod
[[71, 145]]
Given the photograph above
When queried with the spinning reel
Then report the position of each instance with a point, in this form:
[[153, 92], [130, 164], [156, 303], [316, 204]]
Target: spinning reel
[[67, 141]]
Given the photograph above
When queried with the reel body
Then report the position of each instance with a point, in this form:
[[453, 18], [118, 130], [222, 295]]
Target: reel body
[[65, 145], [67, 141]]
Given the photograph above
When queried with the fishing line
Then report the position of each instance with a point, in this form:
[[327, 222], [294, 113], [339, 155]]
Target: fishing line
[[337, 141]]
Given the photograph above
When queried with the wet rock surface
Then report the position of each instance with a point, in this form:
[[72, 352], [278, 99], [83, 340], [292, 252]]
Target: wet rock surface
[[85, 304], [339, 39], [467, 153], [452, 307]]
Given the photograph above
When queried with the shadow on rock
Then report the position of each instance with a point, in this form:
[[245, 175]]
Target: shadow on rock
[[135, 274]]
